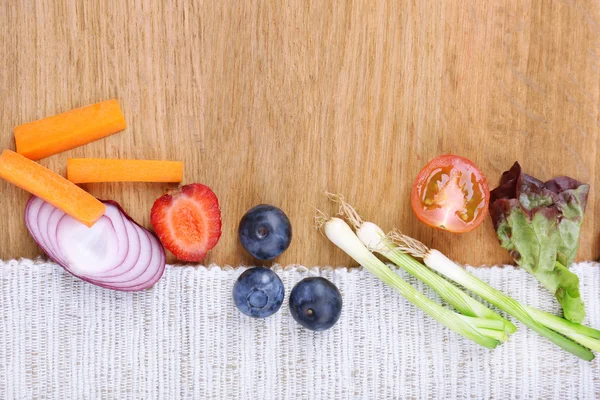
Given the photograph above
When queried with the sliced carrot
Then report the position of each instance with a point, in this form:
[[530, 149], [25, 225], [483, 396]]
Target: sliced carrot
[[86, 170], [51, 187], [62, 132]]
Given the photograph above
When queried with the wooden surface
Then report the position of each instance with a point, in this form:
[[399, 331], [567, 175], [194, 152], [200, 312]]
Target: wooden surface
[[274, 103]]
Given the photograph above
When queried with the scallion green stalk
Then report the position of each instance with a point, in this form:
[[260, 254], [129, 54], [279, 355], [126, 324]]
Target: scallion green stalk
[[448, 268], [580, 333]]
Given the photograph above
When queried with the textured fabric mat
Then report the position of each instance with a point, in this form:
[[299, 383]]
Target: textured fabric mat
[[62, 338]]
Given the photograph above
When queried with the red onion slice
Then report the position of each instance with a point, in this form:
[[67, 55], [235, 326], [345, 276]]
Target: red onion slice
[[147, 277], [158, 258], [133, 257], [140, 262], [115, 253], [31, 212], [47, 225], [98, 243], [90, 251]]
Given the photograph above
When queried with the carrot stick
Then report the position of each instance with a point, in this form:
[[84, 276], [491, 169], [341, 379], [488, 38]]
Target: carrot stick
[[62, 132], [87, 170], [51, 187]]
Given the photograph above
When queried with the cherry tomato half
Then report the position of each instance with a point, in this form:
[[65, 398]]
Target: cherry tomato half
[[451, 193]]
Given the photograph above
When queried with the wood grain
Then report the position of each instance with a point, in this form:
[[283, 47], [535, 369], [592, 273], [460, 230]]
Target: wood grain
[[274, 102]]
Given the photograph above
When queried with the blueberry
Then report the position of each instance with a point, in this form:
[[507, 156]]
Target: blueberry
[[265, 232], [315, 303], [258, 292]]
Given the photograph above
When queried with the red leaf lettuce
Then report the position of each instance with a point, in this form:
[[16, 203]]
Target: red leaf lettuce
[[539, 224]]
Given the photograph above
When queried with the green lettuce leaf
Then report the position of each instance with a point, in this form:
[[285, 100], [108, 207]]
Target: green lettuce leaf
[[539, 224]]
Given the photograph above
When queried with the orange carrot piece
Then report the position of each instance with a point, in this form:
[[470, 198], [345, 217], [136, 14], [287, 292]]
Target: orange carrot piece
[[51, 187], [87, 170], [62, 132]]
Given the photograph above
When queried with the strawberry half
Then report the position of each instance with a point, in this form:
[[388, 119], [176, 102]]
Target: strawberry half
[[188, 222]]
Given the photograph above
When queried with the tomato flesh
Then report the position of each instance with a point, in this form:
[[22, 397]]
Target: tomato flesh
[[451, 193]]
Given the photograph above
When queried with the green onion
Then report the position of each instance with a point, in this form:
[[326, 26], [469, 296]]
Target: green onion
[[543, 323], [375, 240], [486, 332], [581, 334], [373, 237]]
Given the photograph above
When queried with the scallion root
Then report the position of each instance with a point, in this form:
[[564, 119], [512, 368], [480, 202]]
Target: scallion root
[[346, 210], [320, 220], [408, 245]]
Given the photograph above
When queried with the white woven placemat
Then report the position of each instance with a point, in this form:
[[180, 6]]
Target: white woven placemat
[[62, 338]]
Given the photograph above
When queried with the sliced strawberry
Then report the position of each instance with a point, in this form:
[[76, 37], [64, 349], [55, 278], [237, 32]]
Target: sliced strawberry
[[188, 222]]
